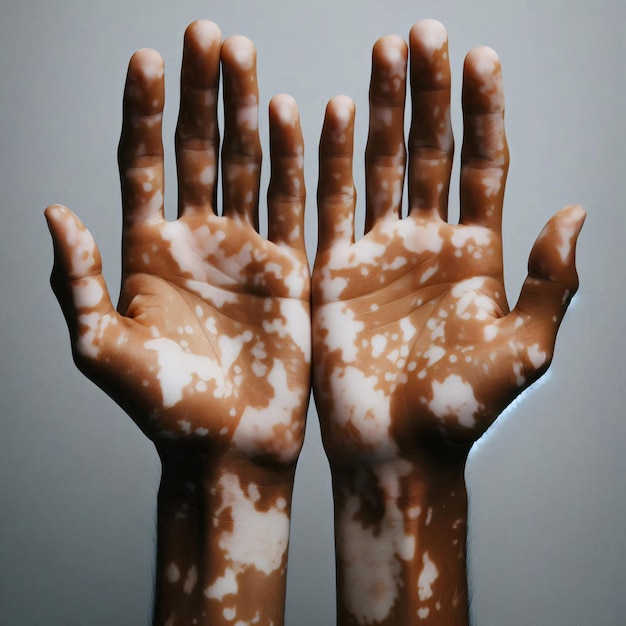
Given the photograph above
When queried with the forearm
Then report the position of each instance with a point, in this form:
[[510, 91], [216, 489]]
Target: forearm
[[223, 532], [400, 530]]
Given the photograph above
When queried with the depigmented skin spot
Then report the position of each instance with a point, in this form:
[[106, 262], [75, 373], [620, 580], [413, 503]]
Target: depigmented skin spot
[[416, 351]]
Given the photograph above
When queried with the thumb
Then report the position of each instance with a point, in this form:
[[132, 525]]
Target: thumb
[[77, 280], [552, 278]]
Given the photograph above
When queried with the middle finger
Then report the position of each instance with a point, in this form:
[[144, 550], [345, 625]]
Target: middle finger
[[241, 152]]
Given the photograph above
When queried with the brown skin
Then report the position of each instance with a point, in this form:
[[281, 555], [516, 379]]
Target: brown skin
[[416, 351], [208, 350]]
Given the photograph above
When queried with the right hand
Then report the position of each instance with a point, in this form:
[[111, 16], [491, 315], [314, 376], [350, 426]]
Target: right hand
[[210, 343]]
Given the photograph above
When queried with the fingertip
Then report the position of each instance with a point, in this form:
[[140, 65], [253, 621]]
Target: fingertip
[[482, 81], [55, 212], [428, 35], [482, 61], [392, 49], [283, 109], [147, 64], [203, 34], [389, 64], [61, 220], [239, 51], [145, 90], [576, 214], [340, 109]]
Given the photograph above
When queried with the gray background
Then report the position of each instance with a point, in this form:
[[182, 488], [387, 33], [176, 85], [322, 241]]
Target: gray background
[[77, 478]]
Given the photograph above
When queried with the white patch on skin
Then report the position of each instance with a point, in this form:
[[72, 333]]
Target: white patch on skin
[[536, 356], [207, 175], [190, 580], [427, 577], [437, 328], [243, 55], [297, 327], [434, 354], [241, 541], [173, 573], [471, 284], [295, 282], [255, 431], [177, 369], [432, 35], [83, 245], [429, 516], [96, 326], [395, 60], [490, 332], [378, 345], [417, 236], [231, 347], [393, 357], [372, 557], [286, 111], [338, 259], [365, 407], [397, 263], [493, 183], [465, 234], [455, 397], [342, 330], [423, 612], [223, 586], [153, 71], [253, 493], [519, 378], [408, 330], [207, 278], [87, 292], [428, 273], [86, 341], [150, 209], [414, 512], [295, 233], [486, 63], [366, 252], [229, 613]]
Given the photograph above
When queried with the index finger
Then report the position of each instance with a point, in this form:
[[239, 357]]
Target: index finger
[[336, 196], [485, 154]]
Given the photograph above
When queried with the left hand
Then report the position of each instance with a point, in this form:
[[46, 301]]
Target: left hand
[[413, 338]]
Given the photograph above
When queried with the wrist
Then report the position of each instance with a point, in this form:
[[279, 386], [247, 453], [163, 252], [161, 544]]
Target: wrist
[[400, 539], [223, 532]]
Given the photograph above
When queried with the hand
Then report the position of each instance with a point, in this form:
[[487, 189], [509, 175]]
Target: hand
[[209, 350], [412, 333], [211, 339], [415, 349]]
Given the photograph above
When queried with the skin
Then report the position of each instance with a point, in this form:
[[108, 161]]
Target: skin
[[415, 349], [209, 348]]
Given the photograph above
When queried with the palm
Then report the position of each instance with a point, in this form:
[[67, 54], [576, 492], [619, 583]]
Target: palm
[[211, 328]]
